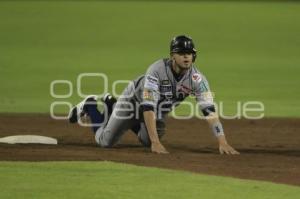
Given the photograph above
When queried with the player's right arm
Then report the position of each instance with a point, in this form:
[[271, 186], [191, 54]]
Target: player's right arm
[[150, 121], [149, 103]]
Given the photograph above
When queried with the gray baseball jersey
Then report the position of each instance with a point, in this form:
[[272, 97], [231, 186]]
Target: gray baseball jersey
[[158, 88]]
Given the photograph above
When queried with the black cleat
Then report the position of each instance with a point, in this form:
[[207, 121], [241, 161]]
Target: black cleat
[[78, 110]]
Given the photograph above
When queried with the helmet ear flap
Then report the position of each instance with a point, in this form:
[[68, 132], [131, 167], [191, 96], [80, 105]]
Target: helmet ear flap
[[194, 57]]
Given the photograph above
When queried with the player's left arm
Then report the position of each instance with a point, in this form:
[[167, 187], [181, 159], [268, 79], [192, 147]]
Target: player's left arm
[[204, 98], [217, 128]]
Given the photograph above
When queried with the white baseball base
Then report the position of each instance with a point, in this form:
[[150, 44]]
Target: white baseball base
[[28, 139]]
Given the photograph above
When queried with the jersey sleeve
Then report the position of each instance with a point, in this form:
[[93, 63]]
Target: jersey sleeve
[[203, 94], [151, 87]]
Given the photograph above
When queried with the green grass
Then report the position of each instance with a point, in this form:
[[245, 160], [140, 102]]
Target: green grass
[[111, 180], [247, 50]]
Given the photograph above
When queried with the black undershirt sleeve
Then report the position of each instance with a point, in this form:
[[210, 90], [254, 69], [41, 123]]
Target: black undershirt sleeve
[[147, 107], [207, 110]]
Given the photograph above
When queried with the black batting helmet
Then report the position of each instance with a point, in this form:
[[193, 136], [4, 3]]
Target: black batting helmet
[[183, 44]]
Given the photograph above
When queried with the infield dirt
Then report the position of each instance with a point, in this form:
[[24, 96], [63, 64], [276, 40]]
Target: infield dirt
[[270, 148]]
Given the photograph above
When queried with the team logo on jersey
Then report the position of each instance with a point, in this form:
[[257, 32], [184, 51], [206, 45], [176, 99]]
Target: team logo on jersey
[[196, 77], [148, 95]]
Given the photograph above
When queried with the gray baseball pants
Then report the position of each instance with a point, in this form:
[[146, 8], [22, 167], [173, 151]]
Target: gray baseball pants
[[125, 116]]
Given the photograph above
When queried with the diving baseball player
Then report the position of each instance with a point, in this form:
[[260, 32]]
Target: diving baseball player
[[146, 102]]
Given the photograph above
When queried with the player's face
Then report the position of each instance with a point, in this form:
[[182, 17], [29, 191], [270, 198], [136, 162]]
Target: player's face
[[183, 60]]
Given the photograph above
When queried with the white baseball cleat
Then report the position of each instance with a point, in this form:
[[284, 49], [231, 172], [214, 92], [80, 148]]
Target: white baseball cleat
[[78, 110]]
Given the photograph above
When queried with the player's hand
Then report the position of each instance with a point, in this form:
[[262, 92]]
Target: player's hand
[[158, 148], [227, 149], [224, 147]]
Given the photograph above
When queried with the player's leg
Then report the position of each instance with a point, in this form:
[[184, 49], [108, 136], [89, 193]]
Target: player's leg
[[89, 107], [119, 122], [121, 119], [99, 119]]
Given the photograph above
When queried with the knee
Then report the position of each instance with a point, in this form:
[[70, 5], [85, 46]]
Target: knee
[[145, 140], [103, 141], [106, 145], [160, 133], [160, 127], [144, 137]]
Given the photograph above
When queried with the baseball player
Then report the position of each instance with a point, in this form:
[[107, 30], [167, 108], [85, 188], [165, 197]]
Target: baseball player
[[145, 103]]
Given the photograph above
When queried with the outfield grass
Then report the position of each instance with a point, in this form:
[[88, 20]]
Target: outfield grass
[[248, 50], [111, 180]]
